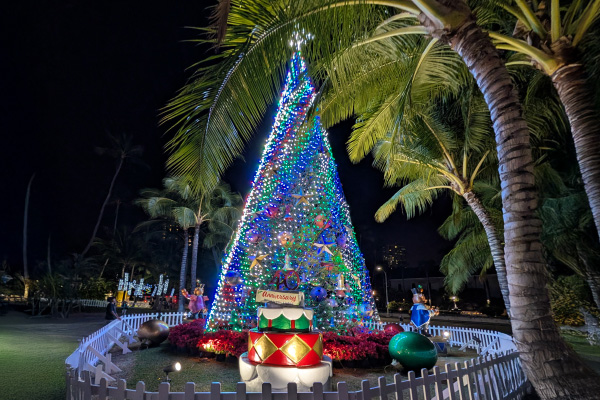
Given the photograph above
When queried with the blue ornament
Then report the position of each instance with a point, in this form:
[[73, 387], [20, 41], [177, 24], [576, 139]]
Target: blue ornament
[[318, 294], [233, 278]]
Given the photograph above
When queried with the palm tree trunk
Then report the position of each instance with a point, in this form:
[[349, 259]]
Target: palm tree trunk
[[590, 271], [593, 281], [493, 240], [110, 189], [184, 257], [576, 95], [553, 368], [25, 218], [48, 258], [195, 247], [217, 258]]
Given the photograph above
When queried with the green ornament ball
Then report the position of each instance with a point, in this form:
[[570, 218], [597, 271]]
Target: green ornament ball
[[413, 351]]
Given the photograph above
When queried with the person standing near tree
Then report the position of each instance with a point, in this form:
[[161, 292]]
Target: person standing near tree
[[111, 309]]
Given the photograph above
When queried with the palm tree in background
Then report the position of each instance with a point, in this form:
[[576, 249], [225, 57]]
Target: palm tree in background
[[125, 251], [122, 149], [429, 158], [209, 209], [216, 112], [188, 209], [555, 40], [471, 252], [160, 205]]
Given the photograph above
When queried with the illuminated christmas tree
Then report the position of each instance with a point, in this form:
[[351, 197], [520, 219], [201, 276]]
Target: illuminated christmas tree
[[295, 231]]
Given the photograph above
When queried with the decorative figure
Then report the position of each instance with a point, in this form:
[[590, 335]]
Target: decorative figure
[[420, 314], [197, 299]]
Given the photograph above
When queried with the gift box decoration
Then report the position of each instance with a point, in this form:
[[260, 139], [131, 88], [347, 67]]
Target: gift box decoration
[[285, 319], [285, 349]]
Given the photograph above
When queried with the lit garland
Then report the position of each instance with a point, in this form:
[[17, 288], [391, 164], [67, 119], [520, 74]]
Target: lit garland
[[295, 208]]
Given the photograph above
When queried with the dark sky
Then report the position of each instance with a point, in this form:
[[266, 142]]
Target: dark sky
[[71, 71]]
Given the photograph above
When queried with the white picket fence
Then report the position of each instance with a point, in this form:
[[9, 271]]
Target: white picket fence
[[92, 303], [496, 376], [484, 341]]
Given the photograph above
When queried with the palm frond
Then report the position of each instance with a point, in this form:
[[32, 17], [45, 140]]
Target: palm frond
[[415, 197], [471, 253], [215, 114]]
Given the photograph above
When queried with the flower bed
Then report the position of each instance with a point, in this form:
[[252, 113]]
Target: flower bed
[[356, 345], [224, 342], [186, 335]]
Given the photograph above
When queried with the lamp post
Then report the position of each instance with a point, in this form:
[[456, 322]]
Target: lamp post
[[387, 300], [454, 299]]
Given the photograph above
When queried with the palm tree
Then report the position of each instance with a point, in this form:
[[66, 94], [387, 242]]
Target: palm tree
[[471, 252], [216, 113], [25, 218], [567, 236], [123, 250], [160, 205], [122, 149], [550, 38], [427, 157], [190, 209], [219, 206]]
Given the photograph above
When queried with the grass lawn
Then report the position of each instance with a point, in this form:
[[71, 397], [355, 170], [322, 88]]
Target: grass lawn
[[589, 354], [33, 353], [146, 365]]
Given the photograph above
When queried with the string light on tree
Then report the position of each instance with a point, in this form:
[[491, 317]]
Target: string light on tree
[[297, 215]]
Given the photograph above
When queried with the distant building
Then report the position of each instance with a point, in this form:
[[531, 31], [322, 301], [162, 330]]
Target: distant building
[[394, 255]]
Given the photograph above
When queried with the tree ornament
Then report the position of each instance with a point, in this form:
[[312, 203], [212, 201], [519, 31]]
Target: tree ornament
[[340, 293], [331, 303], [233, 278], [342, 241], [272, 212], [318, 293], [254, 237], [289, 279], [285, 238], [322, 222], [413, 351], [393, 328], [257, 260], [301, 197], [288, 216], [324, 245], [366, 310]]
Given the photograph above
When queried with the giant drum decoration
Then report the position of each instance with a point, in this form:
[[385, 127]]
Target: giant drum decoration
[[153, 331], [413, 351]]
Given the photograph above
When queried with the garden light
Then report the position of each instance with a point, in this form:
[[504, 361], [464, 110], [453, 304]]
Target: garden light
[[446, 335], [175, 367]]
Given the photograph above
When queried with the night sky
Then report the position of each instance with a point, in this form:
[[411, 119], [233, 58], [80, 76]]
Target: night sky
[[73, 71]]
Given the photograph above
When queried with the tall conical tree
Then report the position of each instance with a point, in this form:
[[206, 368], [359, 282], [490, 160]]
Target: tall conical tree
[[296, 224]]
